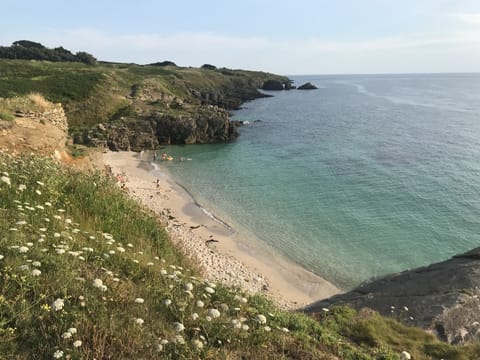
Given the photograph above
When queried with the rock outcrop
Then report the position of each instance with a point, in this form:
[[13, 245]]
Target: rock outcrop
[[207, 124], [443, 298], [307, 86]]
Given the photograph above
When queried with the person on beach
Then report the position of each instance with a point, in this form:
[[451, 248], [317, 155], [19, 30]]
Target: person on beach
[[154, 155], [158, 183], [164, 156]]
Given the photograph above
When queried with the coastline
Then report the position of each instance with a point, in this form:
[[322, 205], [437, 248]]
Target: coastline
[[212, 244]]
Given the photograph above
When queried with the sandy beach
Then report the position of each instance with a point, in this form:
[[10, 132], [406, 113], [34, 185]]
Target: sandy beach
[[215, 246]]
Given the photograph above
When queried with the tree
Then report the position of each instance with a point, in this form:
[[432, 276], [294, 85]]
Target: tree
[[86, 58]]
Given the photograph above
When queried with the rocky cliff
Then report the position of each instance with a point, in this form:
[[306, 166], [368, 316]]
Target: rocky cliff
[[130, 106], [443, 298]]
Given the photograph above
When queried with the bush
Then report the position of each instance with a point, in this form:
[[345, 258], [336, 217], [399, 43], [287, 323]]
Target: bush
[[6, 116]]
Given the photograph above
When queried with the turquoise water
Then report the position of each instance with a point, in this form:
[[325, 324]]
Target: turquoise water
[[365, 176]]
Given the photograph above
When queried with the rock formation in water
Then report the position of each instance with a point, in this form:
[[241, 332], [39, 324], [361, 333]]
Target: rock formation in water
[[307, 86], [443, 297]]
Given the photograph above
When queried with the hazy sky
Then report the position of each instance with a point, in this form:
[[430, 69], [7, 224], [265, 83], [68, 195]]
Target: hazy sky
[[285, 37]]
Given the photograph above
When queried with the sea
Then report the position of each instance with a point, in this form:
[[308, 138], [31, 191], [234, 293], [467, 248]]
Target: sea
[[365, 176]]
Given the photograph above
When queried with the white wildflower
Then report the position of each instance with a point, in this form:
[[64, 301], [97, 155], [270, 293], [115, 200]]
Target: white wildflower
[[139, 300], [150, 263], [236, 323], [405, 355], [267, 328], [164, 342], [36, 272], [60, 251], [68, 221], [199, 303], [167, 302], [22, 249], [285, 330], [194, 316], [209, 290], [208, 318], [58, 354], [36, 263], [214, 313], [198, 344], [40, 183], [405, 308], [120, 249], [77, 343], [47, 203], [103, 288], [163, 272], [21, 187], [188, 287], [29, 244], [72, 330], [38, 192], [66, 335], [2, 257], [40, 207], [21, 222], [139, 321], [179, 327], [245, 327], [179, 339], [58, 304], [6, 180], [261, 319], [97, 283]]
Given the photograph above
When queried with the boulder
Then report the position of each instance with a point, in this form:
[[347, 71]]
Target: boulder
[[273, 84], [307, 86], [443, 298]]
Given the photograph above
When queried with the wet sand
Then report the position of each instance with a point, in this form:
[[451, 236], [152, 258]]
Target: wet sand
[[214, 246]]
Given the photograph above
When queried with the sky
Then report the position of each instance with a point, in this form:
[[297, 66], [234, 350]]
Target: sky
[[284, 37]]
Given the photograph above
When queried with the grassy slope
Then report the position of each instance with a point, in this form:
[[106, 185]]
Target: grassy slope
[[75, 228], [92, 94]]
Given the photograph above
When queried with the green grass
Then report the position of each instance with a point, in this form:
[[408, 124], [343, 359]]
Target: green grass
[[7, 116]]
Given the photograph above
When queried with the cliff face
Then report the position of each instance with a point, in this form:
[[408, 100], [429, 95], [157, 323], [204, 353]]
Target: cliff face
[[443, 297], [205, 125]]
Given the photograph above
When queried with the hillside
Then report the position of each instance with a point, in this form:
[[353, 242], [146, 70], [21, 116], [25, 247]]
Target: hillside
[[135, 107], [87, 273]]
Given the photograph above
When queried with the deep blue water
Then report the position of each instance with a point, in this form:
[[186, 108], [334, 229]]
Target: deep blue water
[[365, 176]]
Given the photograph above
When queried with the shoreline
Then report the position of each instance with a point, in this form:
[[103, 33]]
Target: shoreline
[[213, 244]]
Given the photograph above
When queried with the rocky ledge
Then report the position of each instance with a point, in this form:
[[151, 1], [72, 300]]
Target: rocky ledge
[[443, 298]]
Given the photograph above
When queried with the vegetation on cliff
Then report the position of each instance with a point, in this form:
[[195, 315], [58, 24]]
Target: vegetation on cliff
[[30, 50], [137, 105], [86, 273]]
